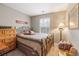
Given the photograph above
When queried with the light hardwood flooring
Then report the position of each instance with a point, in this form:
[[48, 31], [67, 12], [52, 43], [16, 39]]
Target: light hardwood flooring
[[53, 51]]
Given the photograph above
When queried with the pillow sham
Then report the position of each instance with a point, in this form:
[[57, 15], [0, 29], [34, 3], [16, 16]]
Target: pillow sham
[[29, 32]]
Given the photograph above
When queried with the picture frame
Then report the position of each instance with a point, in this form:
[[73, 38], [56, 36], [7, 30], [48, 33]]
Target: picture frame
[[73, 21]]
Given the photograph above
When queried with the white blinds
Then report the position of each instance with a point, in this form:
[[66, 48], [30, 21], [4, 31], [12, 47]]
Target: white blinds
[[44, 25]]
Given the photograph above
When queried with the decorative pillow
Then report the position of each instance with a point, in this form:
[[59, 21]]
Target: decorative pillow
[[25, 32], [63, 45], [73, 51], [28, 32], [32, 32]]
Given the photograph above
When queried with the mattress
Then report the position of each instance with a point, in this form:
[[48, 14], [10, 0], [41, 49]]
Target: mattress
[[36, 36]]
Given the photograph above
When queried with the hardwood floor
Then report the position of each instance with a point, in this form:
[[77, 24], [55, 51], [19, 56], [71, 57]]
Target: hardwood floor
[[15, 52], [53, 51]]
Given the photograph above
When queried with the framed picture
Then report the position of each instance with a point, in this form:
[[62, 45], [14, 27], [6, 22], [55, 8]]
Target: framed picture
[[73, 18], [21, 22]]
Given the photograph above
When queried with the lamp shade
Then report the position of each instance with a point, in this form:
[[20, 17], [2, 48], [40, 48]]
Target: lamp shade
[[61, 25], [72, 24]]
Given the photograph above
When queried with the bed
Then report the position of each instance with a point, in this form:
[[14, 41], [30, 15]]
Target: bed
[[36, 44]]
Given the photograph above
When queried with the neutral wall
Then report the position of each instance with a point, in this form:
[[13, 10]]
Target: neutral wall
[[35, 23], [8, 17]]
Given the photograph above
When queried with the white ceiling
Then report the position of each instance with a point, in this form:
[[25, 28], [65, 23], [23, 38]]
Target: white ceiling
[[33, 9]]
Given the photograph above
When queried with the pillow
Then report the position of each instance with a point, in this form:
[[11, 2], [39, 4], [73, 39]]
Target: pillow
[[25, 32], [28, 32], [73, 51], [32, 32], [63, 45]]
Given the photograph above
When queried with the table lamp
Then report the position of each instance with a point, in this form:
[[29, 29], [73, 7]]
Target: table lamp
[[61, 27]]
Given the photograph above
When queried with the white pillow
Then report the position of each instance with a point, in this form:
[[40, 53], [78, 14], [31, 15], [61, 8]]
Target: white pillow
[[32, 32]]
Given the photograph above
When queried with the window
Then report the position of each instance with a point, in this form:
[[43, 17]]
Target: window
[[44, 25]]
